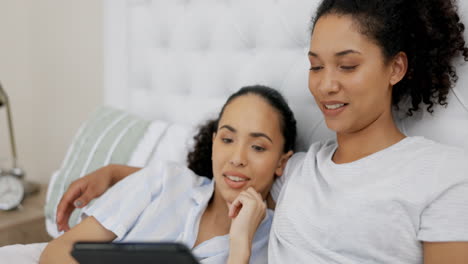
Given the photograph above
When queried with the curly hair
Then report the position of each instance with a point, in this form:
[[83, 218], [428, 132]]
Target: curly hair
[[199, 158], [429, 32]]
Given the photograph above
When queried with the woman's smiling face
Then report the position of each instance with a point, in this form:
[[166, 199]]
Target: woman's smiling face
[[349, 76], [247, 147]]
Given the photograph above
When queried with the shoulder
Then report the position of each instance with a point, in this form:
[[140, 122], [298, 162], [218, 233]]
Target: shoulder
[[322, 148], [445, 154], [425, 144], [448, 165], [174, 174]]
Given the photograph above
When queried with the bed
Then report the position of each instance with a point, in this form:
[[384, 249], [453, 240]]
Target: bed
[[169, 65]]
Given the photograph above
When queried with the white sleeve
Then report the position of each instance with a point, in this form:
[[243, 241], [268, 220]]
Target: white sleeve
[[446, 217], [295, 161], [119, 208]]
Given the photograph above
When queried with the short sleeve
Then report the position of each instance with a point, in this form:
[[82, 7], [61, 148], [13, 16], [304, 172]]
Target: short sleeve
[[446, 219], [119, 208], [294, 162]]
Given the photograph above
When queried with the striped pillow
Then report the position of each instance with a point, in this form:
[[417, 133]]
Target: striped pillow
[[110, 136]]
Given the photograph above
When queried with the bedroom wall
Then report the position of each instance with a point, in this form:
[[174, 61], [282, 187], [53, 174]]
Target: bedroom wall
[[57, 81], [15, 73]]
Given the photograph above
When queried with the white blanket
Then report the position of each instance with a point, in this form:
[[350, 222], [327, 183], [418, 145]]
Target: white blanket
[[21, 254]]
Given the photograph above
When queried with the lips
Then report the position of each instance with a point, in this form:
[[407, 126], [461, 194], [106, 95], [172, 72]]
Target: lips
[[333, 108], [235, 180]]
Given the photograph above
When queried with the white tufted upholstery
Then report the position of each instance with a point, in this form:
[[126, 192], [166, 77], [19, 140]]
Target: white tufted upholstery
[[178, 60]]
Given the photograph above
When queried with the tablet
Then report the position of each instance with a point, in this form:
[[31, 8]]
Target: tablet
[[120, 253]]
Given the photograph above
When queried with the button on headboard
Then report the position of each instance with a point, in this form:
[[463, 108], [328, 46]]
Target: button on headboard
[[178, 60]]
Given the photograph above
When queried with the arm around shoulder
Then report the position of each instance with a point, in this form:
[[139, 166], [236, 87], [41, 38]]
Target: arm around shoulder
[[119, 172], [88, 187]]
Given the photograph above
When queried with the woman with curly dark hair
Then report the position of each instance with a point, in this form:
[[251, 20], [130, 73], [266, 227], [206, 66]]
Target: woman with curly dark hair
[[374, 195], [217, 209]]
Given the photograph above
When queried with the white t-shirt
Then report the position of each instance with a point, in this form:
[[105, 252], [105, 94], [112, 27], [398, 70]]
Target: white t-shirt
[[165, 202], [375, 210]]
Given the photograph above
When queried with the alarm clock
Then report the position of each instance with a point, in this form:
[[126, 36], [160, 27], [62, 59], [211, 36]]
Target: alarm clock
[[11, 192]]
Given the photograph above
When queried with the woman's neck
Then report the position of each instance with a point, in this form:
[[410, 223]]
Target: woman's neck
[[218, 210], [379, 135], [214, 220]]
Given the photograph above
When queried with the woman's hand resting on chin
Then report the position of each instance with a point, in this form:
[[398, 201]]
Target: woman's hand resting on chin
[[247, 212]]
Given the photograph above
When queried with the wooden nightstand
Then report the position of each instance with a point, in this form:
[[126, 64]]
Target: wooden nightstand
[[27, 224]]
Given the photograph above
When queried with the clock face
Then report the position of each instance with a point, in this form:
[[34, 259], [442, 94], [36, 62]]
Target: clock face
[[11, 192]]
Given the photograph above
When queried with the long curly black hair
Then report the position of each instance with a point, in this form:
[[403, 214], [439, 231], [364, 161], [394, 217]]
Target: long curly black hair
[[429, 32], [199, 158]]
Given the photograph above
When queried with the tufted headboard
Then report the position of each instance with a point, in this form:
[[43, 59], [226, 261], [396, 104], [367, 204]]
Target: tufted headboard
[[178, 60]]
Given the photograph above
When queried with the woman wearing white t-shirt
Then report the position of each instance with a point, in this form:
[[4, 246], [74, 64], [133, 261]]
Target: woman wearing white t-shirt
[[374, 195], [221, 215]]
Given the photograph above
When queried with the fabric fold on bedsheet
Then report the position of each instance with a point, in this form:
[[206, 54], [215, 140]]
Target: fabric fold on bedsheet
[[22, 254]]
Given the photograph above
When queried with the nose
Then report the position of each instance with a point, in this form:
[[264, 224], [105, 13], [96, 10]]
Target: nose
[[239, 157], [329, 83]]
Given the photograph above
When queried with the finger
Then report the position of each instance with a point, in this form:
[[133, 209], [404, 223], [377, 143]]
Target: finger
[[73, 192], [249, 193], [254, 194], [67, 203], [259, 204], [235, 207], [238, 204], [253, 191], [63, 209], [63, 223], [65, 214], [84, 199], [242, 200]]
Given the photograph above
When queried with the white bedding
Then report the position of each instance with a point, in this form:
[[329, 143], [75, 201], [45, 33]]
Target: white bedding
[[21, 254]]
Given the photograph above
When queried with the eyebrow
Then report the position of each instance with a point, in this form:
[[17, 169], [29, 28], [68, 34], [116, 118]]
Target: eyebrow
[[253, 134], [338, 54]]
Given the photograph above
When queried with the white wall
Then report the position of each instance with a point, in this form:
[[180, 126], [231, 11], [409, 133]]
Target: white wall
[[53, 72], [15, 73]]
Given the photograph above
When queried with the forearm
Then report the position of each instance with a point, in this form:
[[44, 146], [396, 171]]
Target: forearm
[[57, 251], [239, 250], [117, 172]]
